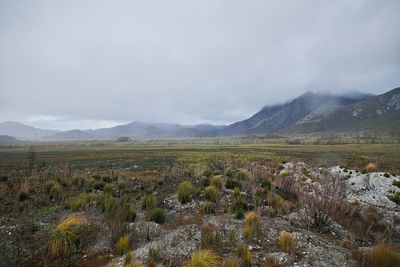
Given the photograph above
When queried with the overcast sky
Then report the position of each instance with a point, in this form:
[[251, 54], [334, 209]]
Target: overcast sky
[[88, 64]]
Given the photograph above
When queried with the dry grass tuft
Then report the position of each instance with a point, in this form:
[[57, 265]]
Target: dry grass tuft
[[381, 255], [123, 244], [371, 167], [287, 243], [204, 258], [65, 237]]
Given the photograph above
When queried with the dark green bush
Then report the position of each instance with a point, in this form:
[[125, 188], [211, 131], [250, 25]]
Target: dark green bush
[[265, 183], [396, 183], [22, 196], [387, 175], [232, 183], [207, 173], [158, 216], [241, 176], [130, 215], [99, 185], [239, 214], [205, 181]]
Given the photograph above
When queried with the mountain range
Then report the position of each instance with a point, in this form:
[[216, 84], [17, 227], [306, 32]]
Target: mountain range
[[310, 113]]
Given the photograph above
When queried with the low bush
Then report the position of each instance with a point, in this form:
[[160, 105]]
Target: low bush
[[79, 202], [123, 244], [204, 258], [185, 190], [55, 191], [239, 214], [22, 196], [99, 185], [130, 215], [232, 183], [217, 183], [241, 176], [382, 255], [244, 255], [48, 185], [211, 193], [108, 189], [149, 202], [65, 237], [371, 167], [207, 173], [209, 207], [252, 224], [287, 243], [158, 216], [396, 183], [211, 238], [265, 183], [205, 181]]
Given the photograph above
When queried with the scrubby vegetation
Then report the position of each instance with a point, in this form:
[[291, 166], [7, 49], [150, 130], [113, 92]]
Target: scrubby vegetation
[[236, 202]]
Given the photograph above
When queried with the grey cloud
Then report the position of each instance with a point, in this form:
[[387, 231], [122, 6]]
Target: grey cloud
[[102, 62]]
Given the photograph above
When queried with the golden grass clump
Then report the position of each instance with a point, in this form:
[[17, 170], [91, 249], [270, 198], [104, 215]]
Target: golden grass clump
[[66, 236], [204, 258], [287, 243], [382, 255], [123, 244], [252, 221], [211, 193], [371, 167], [244, 255]]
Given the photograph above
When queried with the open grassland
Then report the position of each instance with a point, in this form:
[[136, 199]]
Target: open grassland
[[150, 155]]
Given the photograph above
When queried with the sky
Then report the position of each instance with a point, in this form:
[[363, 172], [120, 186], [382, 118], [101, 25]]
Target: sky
[[92, 64]]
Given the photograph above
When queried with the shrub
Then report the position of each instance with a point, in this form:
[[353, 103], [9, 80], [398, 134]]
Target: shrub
[[265, 183], [371, 167], [241, 176], [66, 236], [99, 185], [287, 243], [207, 173], [123, 244], [149, 202], [209, 207], [252, 223], [78, 202], [205, 181], [158, 216], [232, 183], [130, 215], [387, 175], [239, 214], [110, 207], [217, 183], [55, 191], [211, 193], [185, 190], [244, 255], [108, 189], [128, 257], [210, 238], [240, 203], [22, 196], [396, 183], [204, 258], [48, 185], [381, 255]]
